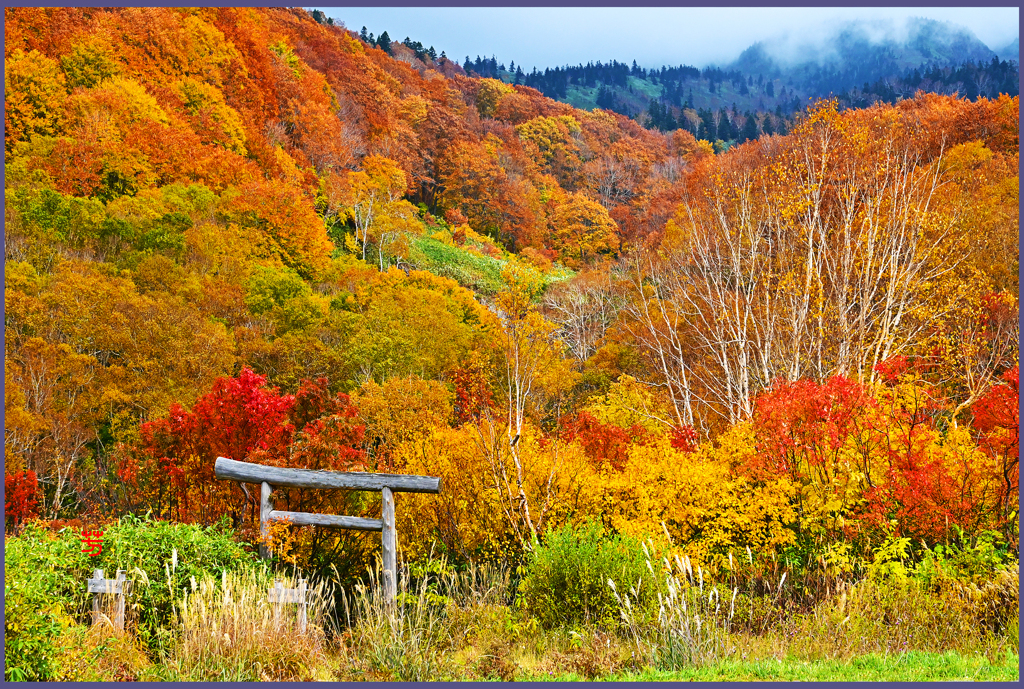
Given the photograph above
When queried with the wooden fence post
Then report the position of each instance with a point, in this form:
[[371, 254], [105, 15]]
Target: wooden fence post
[[265, 509], [120, 591], [101, 586], [96, 574], [388, 545], [302, 606]]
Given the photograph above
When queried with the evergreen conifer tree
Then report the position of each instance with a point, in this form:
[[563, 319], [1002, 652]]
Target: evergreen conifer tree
[[749, 128]]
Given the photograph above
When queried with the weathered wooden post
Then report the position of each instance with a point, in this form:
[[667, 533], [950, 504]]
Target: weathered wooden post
[[265, 509], [106, 587], [387, 484], [389, 544]]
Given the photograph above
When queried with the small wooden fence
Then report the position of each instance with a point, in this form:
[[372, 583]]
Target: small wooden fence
[[106, 588], [279, 594], [387, 484]]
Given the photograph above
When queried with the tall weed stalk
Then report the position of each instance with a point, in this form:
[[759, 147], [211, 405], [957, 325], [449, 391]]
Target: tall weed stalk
[[400, 641], [695, 617]]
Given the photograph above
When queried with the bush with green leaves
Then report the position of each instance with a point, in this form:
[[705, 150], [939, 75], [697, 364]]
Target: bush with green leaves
[[33, 617], [566, 579], [160, 558], [976, 560]]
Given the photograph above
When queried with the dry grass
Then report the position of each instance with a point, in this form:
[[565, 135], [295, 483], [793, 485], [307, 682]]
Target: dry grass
[[100, 653], [464, 626], [230, 632], [896, 616]]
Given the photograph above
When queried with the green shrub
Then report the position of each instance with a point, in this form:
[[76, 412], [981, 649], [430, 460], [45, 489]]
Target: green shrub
[[566, 580], [41, 588], [160, 558], [965, 561], [33, 620]]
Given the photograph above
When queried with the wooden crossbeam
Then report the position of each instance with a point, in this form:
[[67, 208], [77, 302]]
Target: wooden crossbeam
[[246, 472], [331, 521]]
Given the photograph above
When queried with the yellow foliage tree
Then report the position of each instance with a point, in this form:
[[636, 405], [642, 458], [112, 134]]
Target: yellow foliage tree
[[706, 509], [582, 227], [34, 92], [489, 94], [477, 513]]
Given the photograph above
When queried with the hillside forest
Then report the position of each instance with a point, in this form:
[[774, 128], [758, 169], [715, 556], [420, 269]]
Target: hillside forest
[[241, 232]]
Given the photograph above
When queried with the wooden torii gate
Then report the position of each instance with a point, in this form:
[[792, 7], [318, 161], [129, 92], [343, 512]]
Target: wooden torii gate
[[387, 484]]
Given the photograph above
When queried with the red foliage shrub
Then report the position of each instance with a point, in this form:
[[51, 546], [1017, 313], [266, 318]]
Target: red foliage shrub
[[685, 438], [239, 419], [472, 393], [800, 426], [603, 443], [997, 417], [20, 497]]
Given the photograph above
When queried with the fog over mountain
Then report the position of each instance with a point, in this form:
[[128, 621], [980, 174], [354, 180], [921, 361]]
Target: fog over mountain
[[915, 41], [1011, 51]]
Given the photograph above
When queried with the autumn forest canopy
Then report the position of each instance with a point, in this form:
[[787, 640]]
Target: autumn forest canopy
[[246, 233]]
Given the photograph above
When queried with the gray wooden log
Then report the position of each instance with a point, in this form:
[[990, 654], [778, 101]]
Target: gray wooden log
[[279, 594], [265, 509], [332, 521], [388, 545], [247, 472]]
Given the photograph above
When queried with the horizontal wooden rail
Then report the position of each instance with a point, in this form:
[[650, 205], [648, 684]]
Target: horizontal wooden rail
[[245, 472], [328, 520]]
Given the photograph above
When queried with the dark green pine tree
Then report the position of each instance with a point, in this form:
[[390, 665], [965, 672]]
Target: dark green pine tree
[[364, 36], [749, 128], [384, 42], [726, 130]]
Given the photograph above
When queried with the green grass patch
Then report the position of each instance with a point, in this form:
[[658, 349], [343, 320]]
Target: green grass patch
[[482, 274], [645, 87], [913, 666], [581, 97]]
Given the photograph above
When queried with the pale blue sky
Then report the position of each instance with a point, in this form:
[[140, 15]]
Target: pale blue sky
[[546, 37]]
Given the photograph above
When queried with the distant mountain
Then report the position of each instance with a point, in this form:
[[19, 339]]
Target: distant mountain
[[1011, 51], [859, 52]]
